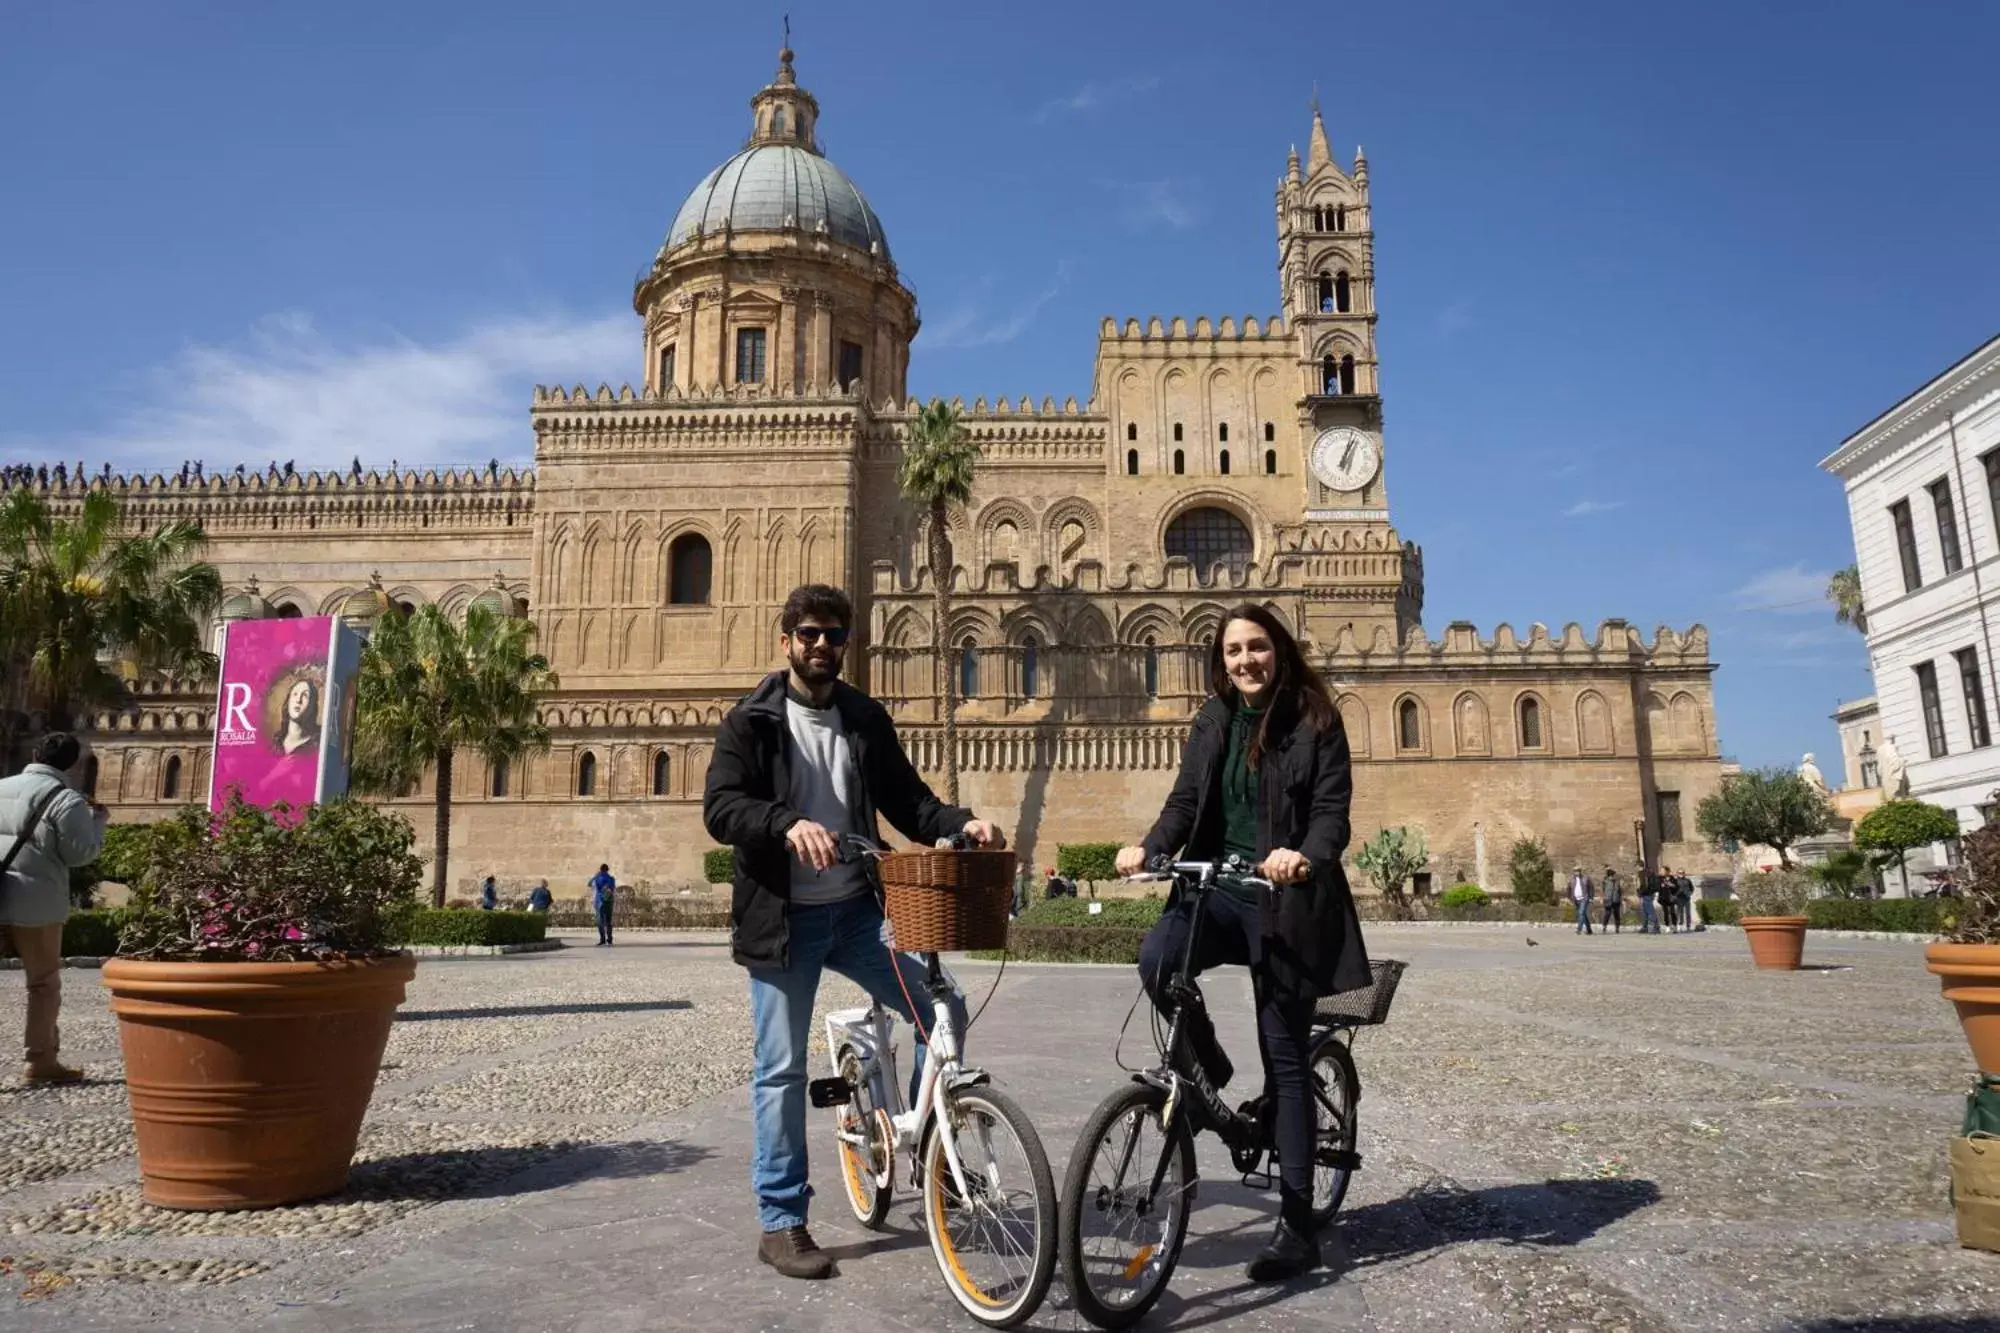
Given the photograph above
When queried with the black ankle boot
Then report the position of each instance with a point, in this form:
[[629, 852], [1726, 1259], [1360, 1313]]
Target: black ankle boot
[[1290, 1254]]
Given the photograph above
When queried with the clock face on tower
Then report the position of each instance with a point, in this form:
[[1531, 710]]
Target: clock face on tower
[[1345, 459]]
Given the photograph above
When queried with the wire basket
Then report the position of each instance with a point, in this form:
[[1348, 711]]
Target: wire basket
[[1369, 1004], [945, 901]]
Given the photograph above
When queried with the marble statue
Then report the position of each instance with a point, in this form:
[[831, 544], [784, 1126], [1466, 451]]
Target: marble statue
[[1814, 778], [1895, 772]]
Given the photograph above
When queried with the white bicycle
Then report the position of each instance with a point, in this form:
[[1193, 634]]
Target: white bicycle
[[989, 1198]]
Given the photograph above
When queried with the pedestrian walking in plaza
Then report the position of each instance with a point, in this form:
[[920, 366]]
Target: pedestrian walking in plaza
[[48, 829], [1684, 891], [489, 894], [1614, 902], [1649, 913], [1580, 892], [603, 891], [1670, 899], [539, 898], [802, 760]]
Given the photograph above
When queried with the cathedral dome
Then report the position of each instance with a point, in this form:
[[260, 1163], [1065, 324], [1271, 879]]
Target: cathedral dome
[[779, 187]]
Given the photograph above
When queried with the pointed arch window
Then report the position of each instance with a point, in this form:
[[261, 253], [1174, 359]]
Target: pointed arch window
[[1030, 667], [1340, 217], [1329, 375], [1131, 462], [1180, 463], [1531, 723], [1325, 291], [968, 668], [1409, 726], [586, 775], [1343, 291], [501, 774], [1270, 462], [1347, 374], [287, 611], [663, 772], [1208, 537], [170, 779], [1152, 667], [691, 563], [1222, 462]]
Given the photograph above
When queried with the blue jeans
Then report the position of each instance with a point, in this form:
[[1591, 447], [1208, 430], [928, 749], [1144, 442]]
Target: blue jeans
[[1583, 916], [604, 923], [847, 937], [1649, 916]]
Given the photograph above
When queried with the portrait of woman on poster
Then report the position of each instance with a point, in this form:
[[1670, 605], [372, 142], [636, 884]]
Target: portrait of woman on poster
[[297, 725]]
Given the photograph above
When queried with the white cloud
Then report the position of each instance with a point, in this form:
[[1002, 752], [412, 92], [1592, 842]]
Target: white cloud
[[973, 324], [1583, 508], [1153, 203], [1792, 590], [1091, 96], [292, 393]]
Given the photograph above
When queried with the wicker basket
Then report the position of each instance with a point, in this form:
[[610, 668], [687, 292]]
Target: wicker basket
[[944, 900], [1369, 1004]]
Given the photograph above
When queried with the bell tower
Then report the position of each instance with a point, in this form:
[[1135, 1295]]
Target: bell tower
[[1326, 264]]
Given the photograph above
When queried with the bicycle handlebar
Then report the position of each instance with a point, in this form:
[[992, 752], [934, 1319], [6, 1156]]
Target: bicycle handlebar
[[1163, 867]]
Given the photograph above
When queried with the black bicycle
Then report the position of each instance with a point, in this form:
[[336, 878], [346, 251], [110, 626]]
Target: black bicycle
[[1131, 1182]]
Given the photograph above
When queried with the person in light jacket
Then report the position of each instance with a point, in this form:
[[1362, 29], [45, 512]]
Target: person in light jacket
[[58, 829]]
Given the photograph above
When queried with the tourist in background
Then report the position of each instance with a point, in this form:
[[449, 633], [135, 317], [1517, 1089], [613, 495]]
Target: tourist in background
[[1614, 902], [603, 890], [47, 829], [539, 898], [1684, 893], [1580, 889], [1670, 899], [1649, 913], [489, 894]]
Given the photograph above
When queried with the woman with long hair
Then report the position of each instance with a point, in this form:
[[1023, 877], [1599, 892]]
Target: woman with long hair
[[1265, 776]]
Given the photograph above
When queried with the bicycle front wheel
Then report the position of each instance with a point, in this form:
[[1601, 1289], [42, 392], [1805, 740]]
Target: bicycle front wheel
[[1121, 1236], [996, 1247], [1336, 1094]]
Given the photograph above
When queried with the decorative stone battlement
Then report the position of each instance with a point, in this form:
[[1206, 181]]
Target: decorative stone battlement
[[1173, 575], [1177, 330], [1617, 643], [242, 482]]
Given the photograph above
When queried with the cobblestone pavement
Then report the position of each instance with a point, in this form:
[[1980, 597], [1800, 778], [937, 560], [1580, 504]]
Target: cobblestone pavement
[[1602, 1134]]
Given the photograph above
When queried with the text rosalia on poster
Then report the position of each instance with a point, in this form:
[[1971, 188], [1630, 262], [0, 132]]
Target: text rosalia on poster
[[284, 717]]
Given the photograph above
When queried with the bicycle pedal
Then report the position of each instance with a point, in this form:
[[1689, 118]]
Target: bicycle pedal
[[826, 1092]]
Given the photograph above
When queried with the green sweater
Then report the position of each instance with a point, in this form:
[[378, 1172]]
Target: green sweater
[[1239, 790]]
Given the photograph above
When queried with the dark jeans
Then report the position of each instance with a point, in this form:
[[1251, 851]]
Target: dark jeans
[[604, 924], [1614, 916], [1230, 936]]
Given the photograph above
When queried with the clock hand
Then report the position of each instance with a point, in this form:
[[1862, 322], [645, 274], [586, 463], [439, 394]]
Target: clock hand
[[1348, 456]]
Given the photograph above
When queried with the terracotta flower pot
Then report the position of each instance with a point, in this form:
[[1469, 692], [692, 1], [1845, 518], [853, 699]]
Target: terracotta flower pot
[[1970, 976], [249, 1080], [1776, 942]]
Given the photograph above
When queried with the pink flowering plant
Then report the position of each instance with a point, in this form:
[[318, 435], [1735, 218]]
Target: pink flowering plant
[[336, 880]]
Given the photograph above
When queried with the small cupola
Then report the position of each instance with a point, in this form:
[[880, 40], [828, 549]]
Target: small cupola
[[783, 112]]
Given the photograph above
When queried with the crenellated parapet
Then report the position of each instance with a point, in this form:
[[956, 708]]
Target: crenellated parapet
[[575, 423], [1018, 433], [279, 500], [1616, 644], [1177, 330], [1174, 575]]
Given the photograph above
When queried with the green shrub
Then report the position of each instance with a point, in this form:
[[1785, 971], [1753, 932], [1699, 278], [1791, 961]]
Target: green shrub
[[1120, 912], [92, 934], [633, 909], [1087, 861], [1530, 872], [460, 925], [126, 849], [1074, 944], [1774, 893], [719, 866], [1717, 911], [1914, 915], [1462, 900]]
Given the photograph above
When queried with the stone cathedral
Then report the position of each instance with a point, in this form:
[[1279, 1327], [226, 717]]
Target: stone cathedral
[[1216, 461]]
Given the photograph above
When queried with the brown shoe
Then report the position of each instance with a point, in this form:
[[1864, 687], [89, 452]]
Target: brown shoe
[[793, 1253], [50, 1073]]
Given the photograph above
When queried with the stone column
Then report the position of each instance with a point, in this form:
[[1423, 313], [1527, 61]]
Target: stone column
[[1479, 855], [819, 368]]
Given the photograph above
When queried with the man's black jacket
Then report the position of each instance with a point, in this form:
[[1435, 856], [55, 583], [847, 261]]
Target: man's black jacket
[[1311, 932], [746, 805]]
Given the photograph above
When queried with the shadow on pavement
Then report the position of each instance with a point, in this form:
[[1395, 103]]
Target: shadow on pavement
[[491, 1173], [542, 1010], [1555, 1212], [1923, 1323]]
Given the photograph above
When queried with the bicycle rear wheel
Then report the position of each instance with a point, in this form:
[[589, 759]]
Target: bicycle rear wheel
[[1336, 1093], [1120, 1246], [867, 1147], [997, 1247]]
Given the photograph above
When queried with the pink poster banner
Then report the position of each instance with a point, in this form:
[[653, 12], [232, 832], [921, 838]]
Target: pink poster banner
[[284, 717]]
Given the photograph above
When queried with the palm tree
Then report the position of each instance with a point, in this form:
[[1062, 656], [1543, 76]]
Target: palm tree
[[85, 605], [936, 477], [427, 689], [1843, 589]]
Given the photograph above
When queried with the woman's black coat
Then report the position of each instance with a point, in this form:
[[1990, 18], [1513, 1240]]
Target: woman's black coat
[[1305, 782]]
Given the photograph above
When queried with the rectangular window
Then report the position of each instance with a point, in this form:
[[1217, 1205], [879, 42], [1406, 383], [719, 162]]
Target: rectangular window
[[1906, 545], [1947, 521], [850, 364], [666, 367], [749, 356], [1992, 465], [1975, 697], [1667, 806], [1927, 693]]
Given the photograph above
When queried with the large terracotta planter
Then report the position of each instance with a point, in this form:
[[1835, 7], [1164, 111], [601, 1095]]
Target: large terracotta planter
[[1776, 942], [249, 1080], [1970, 975]]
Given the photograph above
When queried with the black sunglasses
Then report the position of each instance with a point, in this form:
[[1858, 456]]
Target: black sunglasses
[[835, 636]]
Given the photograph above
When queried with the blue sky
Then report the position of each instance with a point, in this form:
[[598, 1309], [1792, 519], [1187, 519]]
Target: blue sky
[[1639, 268]]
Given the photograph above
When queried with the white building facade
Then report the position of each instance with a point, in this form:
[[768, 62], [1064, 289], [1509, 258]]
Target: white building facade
[[1923, 497]]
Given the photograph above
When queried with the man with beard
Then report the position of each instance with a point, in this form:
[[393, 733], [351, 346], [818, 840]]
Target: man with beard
[[800, 761]]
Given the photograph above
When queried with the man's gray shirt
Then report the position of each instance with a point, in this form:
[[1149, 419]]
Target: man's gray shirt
[[825, 781]]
